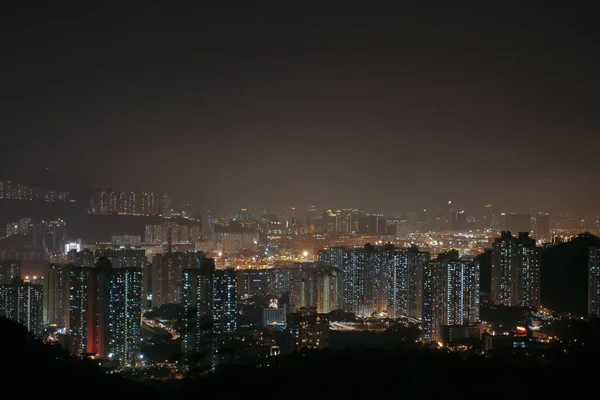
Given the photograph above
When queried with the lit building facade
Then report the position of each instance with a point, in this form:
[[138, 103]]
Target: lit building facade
[[225, 312], [131, 203], [198, 304], [253, 282], [84, 258], [125, 315], [155, 234], [280, 281], [124, 258], [450, 296], [516, 270], [105, 307], [22, 301], [330, 289], [79, 310], [365, 286], [405, 280], [594, 282], [167, 272], [126, 240], [379, 280], [56, 295], [309, 329], [232, 242], [274, 317]]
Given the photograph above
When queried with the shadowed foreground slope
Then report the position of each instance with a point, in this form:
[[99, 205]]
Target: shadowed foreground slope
[[42, 368]]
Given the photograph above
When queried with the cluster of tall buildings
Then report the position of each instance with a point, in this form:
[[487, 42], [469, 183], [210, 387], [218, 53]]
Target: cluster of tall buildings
[[21, 299], [18, 191], [379, 280], [50, 235], [167, 272], [99, 305], [307, 285], [99, 295], [130, 203], [450, 295], [105, 311], [210, 303], [174, 233], [405, 282], [351, 220]]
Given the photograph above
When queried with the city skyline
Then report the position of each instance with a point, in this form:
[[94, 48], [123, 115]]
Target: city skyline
[[376, 194], [148, 202]]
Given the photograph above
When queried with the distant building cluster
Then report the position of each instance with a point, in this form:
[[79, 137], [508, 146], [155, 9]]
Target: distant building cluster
[[50, 236], [21, 299], [17, 191], [130, 203]]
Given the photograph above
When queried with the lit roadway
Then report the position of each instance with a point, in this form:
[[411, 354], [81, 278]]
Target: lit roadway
[[157, 324], [342, 326]]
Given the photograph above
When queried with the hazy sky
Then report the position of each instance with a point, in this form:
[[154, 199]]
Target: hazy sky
[[373, 107]]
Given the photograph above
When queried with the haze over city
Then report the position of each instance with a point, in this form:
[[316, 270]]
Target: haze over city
[[381, 107]]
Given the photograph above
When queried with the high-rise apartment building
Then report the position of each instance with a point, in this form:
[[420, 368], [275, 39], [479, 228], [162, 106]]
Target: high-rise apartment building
[[280, 281], [126, 240], [131, 203], [316, 285], [309, 329], [125, 315], [105, 311], [80, 312], [22, 301], [225, 302], [198, 306], [405, 280], [274, 316], [594, 282], [417, 260], [379, 280], [303, 291], [123, 258], [84, 258], [365, 283], [155, 234], [330, 289], [450, 295], [516, 270], [253, 282], [56, 295], [167, 272]]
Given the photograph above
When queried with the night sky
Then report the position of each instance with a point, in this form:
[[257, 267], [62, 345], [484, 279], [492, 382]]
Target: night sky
[[380, 108]]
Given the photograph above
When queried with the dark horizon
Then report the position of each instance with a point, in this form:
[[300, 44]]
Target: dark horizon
[[378, 107]]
